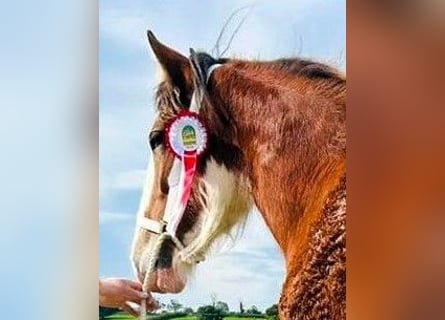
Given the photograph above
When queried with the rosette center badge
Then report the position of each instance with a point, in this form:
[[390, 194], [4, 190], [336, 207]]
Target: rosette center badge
[[189, 137]]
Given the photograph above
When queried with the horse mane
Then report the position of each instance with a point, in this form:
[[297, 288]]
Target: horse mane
[[326, 80]]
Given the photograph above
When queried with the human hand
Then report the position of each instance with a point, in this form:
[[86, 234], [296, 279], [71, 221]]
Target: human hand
[[116, 293]]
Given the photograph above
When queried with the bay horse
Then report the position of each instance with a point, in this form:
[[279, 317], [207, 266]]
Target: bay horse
[[276, 139]]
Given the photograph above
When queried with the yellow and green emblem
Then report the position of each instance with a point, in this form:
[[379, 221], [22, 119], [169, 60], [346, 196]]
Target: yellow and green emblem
[[189, 137]]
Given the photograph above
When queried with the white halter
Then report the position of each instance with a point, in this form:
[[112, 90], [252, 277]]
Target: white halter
[[174, 210]]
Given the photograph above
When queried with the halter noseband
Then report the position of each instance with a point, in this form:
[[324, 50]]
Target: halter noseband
[[166, 228]]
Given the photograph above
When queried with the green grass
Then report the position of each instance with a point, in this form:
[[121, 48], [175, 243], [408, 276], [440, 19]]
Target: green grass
[[121, 316], [127, 317], [236, 318]]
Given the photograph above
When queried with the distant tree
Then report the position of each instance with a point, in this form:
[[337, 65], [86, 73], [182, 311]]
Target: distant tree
[[188, 310], [174, 306], [209, 313], [204, 309], [241, 308], [221, 305], [272, 311], [105, 312], [253, 310]]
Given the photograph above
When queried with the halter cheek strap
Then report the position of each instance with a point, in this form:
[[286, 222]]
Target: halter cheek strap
[[180, 181], [212, 68], [151, 225]]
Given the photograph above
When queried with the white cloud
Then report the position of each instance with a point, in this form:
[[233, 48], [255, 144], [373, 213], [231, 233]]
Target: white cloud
[[123, 148], [129, 180], [268, 30], [106, 217], [111, 181], [123, 28]]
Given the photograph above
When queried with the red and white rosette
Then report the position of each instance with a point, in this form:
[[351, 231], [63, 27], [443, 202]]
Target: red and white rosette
[[186, 138], [186, 134]]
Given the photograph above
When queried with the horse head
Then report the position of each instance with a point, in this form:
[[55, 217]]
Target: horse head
[[170, 240]]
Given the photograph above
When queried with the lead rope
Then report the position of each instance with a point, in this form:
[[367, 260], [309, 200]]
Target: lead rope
[[194, 106], [151, 267]]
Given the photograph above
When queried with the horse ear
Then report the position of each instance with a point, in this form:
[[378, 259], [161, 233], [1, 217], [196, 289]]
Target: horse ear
[[176, 67]]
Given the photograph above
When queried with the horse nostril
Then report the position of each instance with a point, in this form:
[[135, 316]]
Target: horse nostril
[[164, 262]]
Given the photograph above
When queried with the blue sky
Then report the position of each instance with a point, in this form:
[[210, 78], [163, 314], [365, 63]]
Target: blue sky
[[252, 269]]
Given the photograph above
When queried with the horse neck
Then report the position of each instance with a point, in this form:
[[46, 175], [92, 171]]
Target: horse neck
[[321, 271], [291, 166], [291, 209]]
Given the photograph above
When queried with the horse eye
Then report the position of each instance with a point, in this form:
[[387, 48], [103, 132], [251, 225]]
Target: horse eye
[[156, 138]]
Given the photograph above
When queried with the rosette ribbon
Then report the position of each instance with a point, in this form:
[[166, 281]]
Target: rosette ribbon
[[186, 139]]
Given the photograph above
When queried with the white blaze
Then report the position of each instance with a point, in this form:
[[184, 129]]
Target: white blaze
[[144, 203]]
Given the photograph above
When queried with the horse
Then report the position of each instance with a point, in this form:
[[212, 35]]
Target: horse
[[276, 140]]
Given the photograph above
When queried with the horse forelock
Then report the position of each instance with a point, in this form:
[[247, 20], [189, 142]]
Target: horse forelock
[[167, 101]]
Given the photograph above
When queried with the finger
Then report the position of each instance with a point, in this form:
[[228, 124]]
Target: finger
[[135, 285], [153, 305], [130, 310], [137, 296], [150, 304]]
